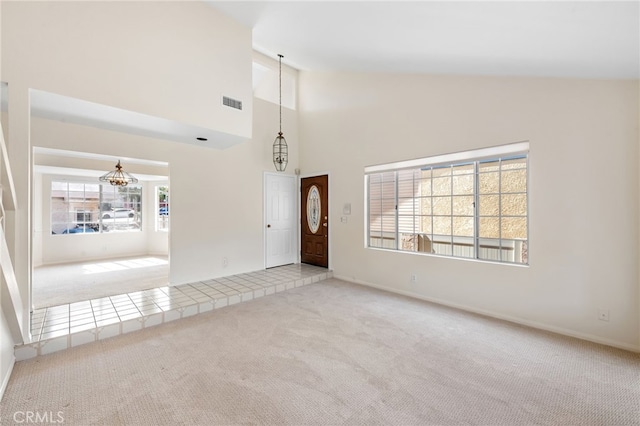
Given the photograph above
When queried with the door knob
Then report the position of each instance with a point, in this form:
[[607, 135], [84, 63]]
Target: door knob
[[269, 226]]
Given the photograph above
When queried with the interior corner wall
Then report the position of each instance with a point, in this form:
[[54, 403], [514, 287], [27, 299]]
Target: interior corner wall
[[217, 201], [7, 358], [583, 190], [37, 221], [216, 195], [173, 60]]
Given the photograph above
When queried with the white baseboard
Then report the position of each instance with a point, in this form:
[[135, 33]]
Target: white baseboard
[[157, 253], [532, 324], [5, 379], [101, 258]]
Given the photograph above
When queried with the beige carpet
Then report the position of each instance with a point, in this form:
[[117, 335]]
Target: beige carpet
[[327, 354], [55, 285]]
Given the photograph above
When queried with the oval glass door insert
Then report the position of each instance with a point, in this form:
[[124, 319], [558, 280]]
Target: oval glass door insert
[[313, 209]]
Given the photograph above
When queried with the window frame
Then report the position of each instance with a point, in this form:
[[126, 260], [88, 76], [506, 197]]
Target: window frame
[[92, 206], [164, 219], [416, 239]]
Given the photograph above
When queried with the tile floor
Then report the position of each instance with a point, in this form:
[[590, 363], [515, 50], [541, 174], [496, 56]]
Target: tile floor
[[61, 327]]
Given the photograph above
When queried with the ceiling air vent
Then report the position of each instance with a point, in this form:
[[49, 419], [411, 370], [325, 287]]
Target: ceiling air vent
[[233, 103]]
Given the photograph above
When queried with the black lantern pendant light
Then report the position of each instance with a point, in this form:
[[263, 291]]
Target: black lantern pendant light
[[117, 177], [280, 149]]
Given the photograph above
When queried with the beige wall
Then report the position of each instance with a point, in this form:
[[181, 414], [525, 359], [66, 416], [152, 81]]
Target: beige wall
[[583, 221], [583, 253], [7, 359], [173, 60], [216, 196], [168, 59]]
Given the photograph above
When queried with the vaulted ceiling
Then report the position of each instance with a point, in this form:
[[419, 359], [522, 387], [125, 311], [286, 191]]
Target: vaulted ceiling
[[585, 39]]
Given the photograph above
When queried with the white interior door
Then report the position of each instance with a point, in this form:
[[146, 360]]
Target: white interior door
[[280, 220]]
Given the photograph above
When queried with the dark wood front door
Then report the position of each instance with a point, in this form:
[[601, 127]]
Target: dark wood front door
[[315, 220]]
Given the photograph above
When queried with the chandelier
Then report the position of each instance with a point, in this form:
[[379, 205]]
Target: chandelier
[[117, 177], [280, 149]]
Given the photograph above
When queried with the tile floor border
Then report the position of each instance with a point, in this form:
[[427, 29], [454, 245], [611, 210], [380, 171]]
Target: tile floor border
[[62, 327]]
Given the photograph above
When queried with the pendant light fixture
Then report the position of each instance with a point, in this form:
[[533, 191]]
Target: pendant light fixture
[[280, 148], [117, 177]]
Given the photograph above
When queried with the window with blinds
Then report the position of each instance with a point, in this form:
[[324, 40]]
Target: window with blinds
[[476, 208]]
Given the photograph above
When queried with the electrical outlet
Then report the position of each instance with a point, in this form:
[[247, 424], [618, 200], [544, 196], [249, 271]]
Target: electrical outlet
[[414, 278], [225, 262], [603, 314]]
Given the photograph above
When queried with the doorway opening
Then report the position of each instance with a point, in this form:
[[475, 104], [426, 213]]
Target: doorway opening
[[90, 239]]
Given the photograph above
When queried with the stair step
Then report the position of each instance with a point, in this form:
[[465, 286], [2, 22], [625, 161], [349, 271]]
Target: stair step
[[62, 327]]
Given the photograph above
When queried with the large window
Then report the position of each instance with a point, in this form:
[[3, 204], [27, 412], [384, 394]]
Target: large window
[[83, 208], [474, 208]]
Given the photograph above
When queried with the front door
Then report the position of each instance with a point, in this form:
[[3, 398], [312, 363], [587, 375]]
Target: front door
[[314, 244], [280, 217]]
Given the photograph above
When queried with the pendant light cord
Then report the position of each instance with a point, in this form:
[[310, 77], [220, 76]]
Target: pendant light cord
[[280, 87]]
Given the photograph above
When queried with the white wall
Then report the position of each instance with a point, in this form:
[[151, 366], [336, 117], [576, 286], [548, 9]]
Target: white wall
[[217, 200], [7, 358], [216, 196], [266, 81], [168, 59], [584, 189], [37, 223], [173, 60]]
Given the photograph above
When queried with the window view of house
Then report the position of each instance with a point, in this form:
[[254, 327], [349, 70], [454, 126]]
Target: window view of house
[[475, 209], [162, 195], [85, 208]]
